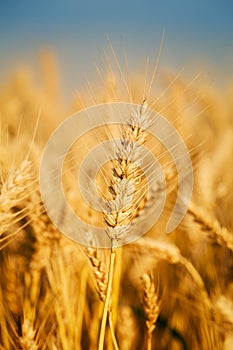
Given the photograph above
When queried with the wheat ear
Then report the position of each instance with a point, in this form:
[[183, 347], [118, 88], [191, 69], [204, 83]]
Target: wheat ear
[[99, 270], [126, 195], [215, 232], [28, 340], [150, 305], [167, 251], [127, 184], [14, 189], [101, 278]]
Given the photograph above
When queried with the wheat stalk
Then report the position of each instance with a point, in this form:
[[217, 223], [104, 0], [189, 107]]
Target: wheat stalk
[[101, 278], [125, 184]]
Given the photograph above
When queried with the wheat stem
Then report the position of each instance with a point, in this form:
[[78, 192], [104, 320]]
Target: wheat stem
[[112, 331], [149, 341], [115, 298], [81, 305], [107, 299]]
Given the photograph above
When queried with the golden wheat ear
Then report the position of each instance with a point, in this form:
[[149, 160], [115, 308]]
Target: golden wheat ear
[[99, 270], [210, 227], [151, 306]]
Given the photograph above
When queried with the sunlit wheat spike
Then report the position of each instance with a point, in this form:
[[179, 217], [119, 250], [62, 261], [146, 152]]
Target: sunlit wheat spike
[[27, 340], [168, 251], [211, 227], [150, 301], [13, 189], [126, 187], [15, 192], [47, 238], [151, 307], [99, 270]]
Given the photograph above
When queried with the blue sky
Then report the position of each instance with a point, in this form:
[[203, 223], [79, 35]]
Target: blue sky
[[196, 32]]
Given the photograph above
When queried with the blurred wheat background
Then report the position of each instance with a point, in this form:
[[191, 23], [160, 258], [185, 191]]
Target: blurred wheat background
[[170, 292]]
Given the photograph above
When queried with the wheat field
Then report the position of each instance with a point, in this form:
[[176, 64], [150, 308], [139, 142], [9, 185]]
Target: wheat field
[[168, 292]]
